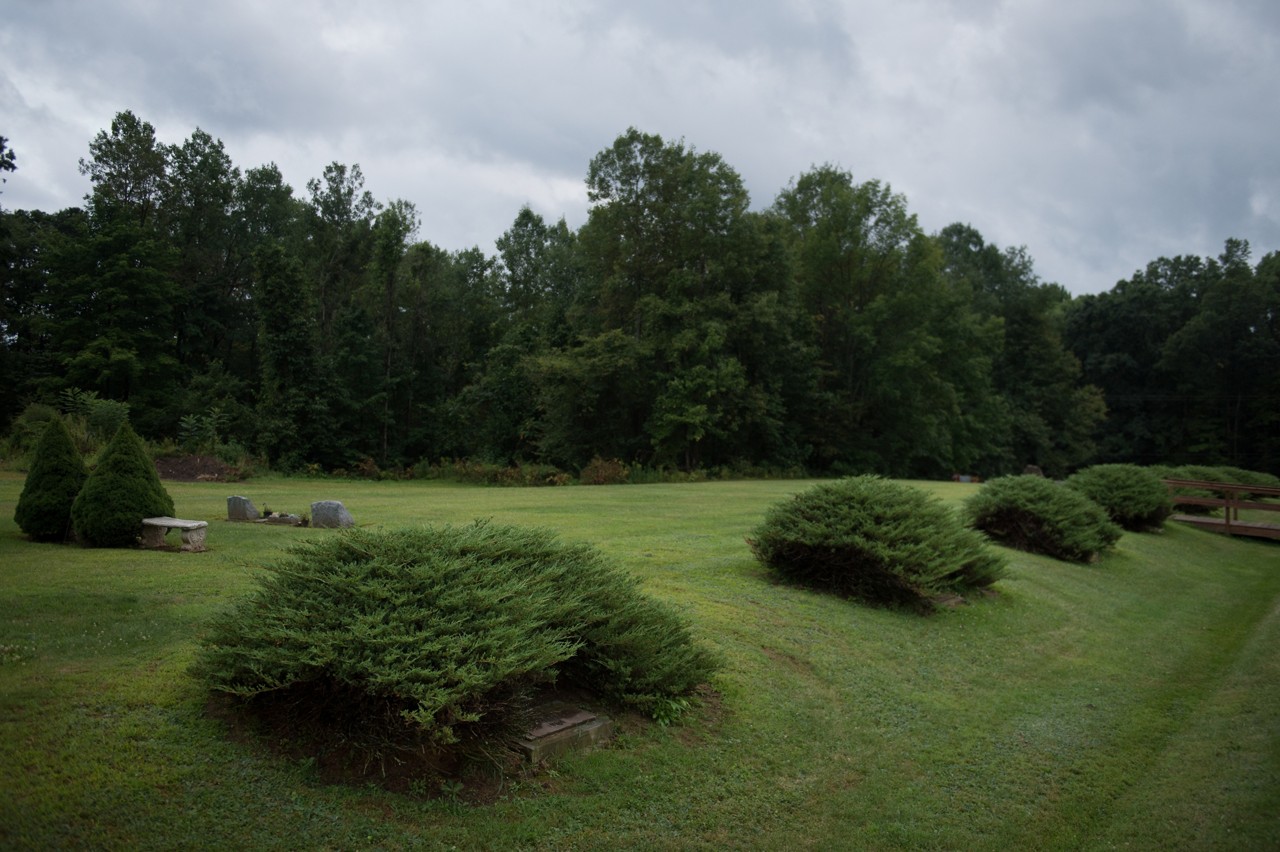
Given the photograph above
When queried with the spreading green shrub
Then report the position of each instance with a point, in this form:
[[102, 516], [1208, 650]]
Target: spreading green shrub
[[1241, 476], [1132, 496], [1196, 472], [440, 635], [874, 540], [1041, 516], [56, 476], [121, 490], [1213, 473]]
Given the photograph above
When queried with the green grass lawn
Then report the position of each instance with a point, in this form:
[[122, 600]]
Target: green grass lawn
[[1133, 703]]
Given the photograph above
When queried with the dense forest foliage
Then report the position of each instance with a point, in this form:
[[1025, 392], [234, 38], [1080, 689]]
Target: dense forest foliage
[[677, 328]]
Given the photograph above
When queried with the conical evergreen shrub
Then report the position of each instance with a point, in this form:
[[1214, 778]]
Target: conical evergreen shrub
[[122, 490], [56, 477]]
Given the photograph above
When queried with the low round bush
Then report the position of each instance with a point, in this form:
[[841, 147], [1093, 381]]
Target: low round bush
[[874, 540], [122, 489], [430, 637], [56, 476], [1132, 496], [1193, 472], [1041, 516], [1240, 476], [1215, 474]]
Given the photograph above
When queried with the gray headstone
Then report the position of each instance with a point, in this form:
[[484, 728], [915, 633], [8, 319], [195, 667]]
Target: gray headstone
[[241, 509], [330, 513]]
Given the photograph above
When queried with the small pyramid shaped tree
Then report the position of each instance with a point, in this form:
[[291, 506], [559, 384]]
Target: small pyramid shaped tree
[[56, 477], [122, 490]]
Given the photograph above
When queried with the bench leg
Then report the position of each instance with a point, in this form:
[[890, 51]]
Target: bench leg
[[193, 540], [153, 536]]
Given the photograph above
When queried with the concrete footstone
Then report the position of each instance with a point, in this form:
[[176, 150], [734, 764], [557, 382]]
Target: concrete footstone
[[562, 728]]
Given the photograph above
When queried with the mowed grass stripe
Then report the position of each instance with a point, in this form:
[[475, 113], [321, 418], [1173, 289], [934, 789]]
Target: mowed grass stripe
[[1133, 701]]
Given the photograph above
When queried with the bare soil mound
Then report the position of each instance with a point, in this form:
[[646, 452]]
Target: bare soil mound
[[196, 469]]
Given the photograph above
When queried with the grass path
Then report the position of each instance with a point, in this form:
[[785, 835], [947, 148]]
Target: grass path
[[1134, 703]]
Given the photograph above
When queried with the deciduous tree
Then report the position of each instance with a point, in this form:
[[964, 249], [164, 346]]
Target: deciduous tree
[[1051, 412], [127, 167], [905, 364]]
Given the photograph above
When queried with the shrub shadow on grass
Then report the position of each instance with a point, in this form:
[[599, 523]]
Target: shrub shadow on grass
[[381, 751], [357, 751]]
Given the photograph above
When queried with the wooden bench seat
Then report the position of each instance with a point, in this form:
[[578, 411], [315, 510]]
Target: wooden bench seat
[[193, 532]]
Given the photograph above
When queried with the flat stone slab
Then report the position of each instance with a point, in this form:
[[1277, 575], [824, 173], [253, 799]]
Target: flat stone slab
[[561, 728], [174, 523], [281, 520], [560, 722]]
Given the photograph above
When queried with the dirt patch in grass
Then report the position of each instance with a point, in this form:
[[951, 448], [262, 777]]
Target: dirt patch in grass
[[789, 660], [704, 720]]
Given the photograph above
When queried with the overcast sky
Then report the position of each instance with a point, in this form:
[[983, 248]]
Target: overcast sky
[[1100, 134]]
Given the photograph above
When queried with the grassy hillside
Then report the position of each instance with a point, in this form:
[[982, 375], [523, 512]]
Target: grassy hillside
[[1131, 703]]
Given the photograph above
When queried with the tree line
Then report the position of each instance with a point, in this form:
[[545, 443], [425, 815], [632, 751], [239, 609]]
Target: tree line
[[676, 328]]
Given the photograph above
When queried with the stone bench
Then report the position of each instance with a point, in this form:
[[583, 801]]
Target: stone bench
[[193, 532]]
